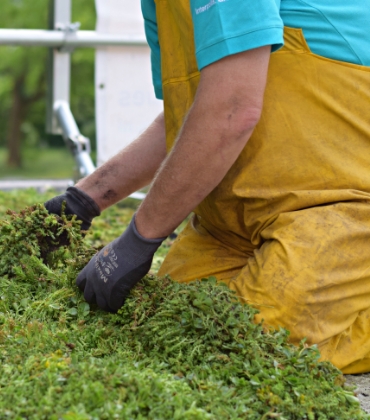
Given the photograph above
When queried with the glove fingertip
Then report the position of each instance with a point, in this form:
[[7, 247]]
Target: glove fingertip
[[81, 280], [116, 302], [89, 294], [101, 302]]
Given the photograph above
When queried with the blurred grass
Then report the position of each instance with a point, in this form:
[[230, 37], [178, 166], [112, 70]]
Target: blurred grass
[[39, 163]]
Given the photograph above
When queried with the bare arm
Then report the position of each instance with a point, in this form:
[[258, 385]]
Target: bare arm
[[225, 111], [131, 169]]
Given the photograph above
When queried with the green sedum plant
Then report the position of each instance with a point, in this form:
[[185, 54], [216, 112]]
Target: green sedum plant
[[174, 351], [35, 240]]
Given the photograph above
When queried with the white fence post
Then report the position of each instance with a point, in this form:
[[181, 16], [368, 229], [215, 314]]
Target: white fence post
[[59, 65]]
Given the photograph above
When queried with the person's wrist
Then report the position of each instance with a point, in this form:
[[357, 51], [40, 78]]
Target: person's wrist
[[143, 238], [134, 246], [83, 201], [77, 203], [146, 228]]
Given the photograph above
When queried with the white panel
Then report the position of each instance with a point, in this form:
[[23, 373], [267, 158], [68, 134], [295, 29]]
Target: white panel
[[125, 101]]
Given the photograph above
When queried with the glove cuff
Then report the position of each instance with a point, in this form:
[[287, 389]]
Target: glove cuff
[[148, 241], [84, 200], [140, 249]]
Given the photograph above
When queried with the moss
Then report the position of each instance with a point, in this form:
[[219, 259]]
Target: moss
[[173, 351]]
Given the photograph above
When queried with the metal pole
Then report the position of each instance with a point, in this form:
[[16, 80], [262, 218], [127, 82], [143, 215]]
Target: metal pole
[[60, 39], [78, 144]]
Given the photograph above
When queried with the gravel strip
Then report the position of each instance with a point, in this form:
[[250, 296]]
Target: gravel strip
[[362, 382]]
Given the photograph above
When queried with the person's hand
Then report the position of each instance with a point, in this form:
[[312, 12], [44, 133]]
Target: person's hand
[[114, 271], [77, 203]]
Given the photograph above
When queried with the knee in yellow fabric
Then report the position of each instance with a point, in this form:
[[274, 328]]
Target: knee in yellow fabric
[[196, 254]]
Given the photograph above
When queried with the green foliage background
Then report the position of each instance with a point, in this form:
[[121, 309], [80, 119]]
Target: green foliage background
[[30, 63]]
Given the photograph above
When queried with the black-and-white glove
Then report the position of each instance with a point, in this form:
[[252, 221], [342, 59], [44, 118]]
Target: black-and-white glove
[[115, 270]]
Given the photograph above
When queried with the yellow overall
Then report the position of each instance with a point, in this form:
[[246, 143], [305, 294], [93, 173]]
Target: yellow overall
[[289, 226]]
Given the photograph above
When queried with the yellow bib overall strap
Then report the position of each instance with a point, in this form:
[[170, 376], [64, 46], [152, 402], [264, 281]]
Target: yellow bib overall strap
[[180, 75], [289, 226]]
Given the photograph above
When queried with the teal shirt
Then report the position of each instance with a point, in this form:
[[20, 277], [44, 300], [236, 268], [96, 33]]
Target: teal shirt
[[334, 29]]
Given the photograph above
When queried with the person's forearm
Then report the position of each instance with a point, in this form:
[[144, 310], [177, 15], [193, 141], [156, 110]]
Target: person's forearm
[[216, 130], [189, 174], [128, 171]]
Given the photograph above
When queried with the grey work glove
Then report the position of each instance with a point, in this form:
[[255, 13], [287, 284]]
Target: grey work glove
[[114, 271], [78, 203]]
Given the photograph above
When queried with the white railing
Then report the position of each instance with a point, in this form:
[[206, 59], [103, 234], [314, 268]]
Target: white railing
[[62, 39], [65, 38]]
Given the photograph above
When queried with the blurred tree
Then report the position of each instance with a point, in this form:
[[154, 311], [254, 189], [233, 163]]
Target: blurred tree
[[23, 76]]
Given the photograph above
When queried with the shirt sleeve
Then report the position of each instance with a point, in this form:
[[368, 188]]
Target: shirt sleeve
[[226, 27], [150, 23]]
